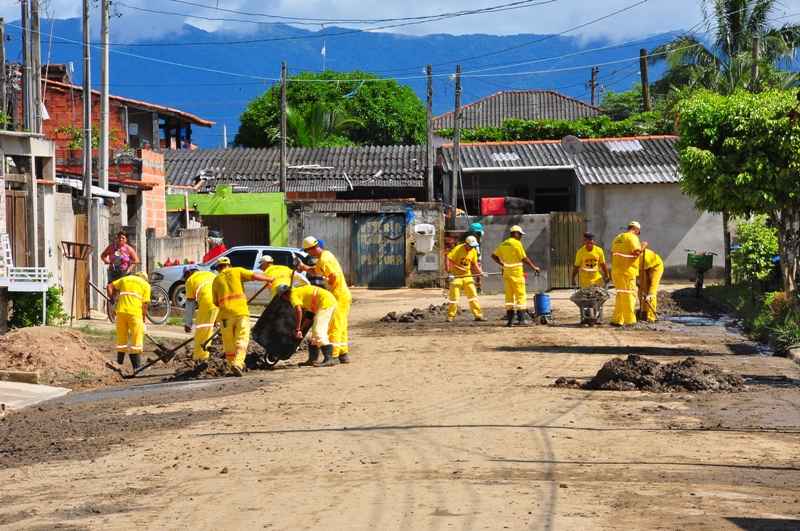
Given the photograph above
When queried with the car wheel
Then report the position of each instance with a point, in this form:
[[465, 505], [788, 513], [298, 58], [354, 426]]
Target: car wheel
[[179, 295]]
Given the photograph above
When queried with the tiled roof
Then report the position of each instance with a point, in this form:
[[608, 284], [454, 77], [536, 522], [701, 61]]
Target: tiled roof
[[493, 110], [638, 160], [309, 169]]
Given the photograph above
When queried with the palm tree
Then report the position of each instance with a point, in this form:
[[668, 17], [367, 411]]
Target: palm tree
[[319, 126], [727, 64]]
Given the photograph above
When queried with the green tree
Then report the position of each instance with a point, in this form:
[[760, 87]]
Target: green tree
[[387, 112], [741, 153], [757, 244], [319, 127], [621, 105], [726, 65]]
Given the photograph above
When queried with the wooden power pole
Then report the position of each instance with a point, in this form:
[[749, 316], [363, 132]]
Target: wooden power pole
[[429, 147], [26, 65], [646, 106], [87, 108], [103, 155], [36, 67], [3, 82], [456, 173], [593, 84], [283, 128]]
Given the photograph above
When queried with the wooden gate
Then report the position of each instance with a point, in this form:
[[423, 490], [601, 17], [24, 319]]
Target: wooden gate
[[17, 226], [379, 250], [81, 286], [566, 237]]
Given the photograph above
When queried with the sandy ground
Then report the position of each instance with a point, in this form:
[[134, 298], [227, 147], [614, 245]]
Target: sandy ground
[[433, 426]]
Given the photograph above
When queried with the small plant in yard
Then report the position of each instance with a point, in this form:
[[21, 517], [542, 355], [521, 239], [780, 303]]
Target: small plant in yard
[[757, 246], [26, 309]]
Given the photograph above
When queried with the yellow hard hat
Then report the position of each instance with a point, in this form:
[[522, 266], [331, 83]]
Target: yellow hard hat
[[224, 261], [517, 228], [309, 243], [472, 241], [635, 224]]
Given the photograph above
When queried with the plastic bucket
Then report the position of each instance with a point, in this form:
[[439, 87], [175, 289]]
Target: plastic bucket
[[541, 303]]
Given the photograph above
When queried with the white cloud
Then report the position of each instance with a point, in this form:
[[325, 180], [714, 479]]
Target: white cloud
[[654, 16]]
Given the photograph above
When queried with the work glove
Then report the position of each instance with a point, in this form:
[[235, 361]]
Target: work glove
[[450, 278], [484, 274], [648, 298]]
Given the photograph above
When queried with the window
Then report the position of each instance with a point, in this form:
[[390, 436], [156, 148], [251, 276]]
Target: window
[[245, 258], [284, 258]]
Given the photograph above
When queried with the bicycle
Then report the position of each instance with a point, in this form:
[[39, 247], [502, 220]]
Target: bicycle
[[701, 263]]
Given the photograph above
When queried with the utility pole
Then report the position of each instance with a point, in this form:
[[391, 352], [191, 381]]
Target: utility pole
[[429, 147], [87, 109], [36, 67], [593, 84], [3, 85], [645, 80], [456, 177], [224, 136], [26, 65], [102, 173], [283, 128]]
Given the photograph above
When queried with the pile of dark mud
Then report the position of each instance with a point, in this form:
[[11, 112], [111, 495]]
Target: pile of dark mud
[[638, 373], [417, 314], [684, 302]]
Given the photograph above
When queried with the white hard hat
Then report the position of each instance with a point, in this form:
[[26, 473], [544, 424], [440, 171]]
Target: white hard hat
[[517, 228], [266, 259], [309, 242], [472, 241], [635, 224]]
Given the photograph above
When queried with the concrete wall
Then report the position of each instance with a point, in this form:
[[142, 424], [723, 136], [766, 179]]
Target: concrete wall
[[155, 200], [670, 222], [63, 230], [190, 244], [536, 242]]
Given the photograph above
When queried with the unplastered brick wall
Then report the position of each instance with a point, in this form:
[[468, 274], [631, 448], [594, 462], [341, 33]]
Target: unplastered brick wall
[[155, 200]]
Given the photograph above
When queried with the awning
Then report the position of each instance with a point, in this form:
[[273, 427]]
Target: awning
[[77, 184]]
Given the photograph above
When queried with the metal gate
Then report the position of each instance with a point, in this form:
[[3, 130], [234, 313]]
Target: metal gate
[[379, 249], [335, 232], [566, 236]]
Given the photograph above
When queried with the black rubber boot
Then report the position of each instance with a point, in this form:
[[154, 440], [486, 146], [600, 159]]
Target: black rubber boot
[[327, 357], [522, 317], [313, 355], [509, 317], [136, 361], [120, 358], [344, 358]]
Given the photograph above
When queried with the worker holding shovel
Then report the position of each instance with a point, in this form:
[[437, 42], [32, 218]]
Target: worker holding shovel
[[510, 256], [462, 264], [322, 304], [200, 308], [132, 294], [652, 270], [228, 293]]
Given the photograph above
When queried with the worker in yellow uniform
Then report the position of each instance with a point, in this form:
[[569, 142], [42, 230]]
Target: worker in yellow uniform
[[322, 304], [328, 267], [653, 268], [511, 256], [625, 251], [228, 292], [590, 264], [462, 267], [281, 275], [132, 294], [200, 309]]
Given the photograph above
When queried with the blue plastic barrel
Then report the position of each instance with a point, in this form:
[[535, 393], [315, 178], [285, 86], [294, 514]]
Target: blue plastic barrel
[[542, 304]]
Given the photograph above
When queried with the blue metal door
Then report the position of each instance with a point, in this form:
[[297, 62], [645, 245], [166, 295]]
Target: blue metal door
[[379, 250]]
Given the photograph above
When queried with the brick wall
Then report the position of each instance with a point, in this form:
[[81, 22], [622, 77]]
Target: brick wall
[[155, 200]]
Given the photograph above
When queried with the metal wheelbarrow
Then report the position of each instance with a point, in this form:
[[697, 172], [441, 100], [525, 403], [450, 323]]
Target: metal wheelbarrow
[[590, 302]]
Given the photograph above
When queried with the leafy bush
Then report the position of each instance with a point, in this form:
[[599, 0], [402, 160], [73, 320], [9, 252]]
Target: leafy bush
[[757, 245], [640, 124], [27, 308]]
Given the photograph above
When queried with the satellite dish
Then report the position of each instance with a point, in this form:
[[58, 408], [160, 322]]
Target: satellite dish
[[572, 145]]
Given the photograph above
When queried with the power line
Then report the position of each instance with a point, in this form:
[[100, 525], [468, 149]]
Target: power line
[[520, 4]]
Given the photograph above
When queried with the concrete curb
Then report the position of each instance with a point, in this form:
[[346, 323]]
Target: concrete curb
[[794, 354]]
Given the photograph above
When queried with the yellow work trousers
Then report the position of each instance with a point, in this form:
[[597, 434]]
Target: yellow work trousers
[[651, 306], [320, 333], [625, 301], [338, 332], [514, 287], [470, 291], [235, 338], [203, 329], [130, 333]]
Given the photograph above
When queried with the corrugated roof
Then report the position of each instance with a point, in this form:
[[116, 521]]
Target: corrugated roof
[[309, 169], [493, 110], [639, 160]]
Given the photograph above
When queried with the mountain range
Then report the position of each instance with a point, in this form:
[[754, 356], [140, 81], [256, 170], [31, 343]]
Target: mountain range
[[215, 74]]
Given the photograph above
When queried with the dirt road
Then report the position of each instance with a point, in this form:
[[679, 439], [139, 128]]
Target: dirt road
[[434, 426]]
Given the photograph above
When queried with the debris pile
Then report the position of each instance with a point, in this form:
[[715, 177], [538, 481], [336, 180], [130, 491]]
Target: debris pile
[[417, 314], [61, 356], [593, 295], [638, 373]]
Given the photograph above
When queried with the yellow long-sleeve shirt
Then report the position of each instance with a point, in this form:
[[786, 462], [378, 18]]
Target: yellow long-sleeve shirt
[[228, 290], [132, 292]]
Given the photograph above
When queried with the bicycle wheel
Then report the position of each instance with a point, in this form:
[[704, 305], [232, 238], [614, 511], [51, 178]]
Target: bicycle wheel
[[159, 308], [111, 312]]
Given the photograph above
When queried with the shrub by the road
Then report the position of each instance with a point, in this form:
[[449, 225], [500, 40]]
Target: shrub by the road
[[26, 309]]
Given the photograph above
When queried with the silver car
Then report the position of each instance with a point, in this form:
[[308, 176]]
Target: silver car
[[247, 256]]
